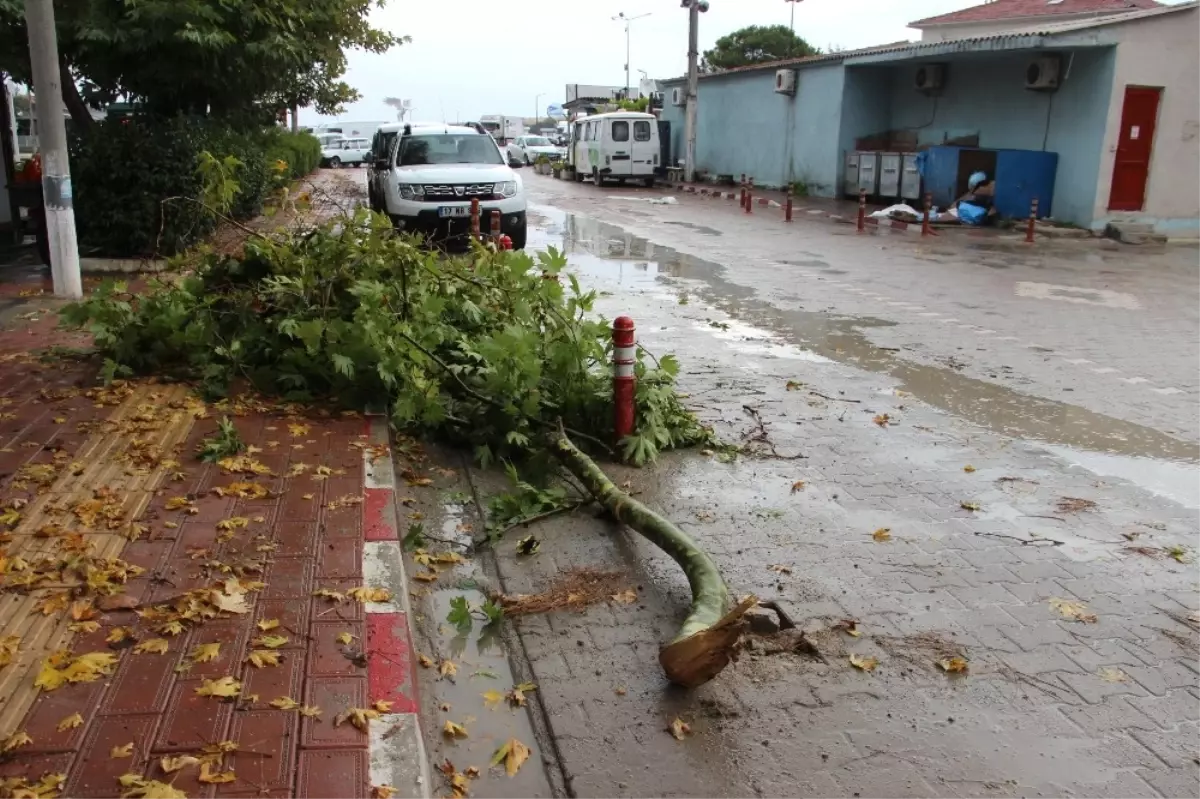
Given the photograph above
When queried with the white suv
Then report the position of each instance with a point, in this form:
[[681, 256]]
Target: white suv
[[431, 174]]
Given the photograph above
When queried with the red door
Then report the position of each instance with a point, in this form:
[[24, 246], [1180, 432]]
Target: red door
[[1131, 166]]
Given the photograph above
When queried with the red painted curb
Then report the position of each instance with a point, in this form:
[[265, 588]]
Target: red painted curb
[[377, 526], [391, 672]]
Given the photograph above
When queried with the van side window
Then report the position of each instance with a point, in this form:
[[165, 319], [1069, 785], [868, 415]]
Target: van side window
[[620, 130], [641, 131]]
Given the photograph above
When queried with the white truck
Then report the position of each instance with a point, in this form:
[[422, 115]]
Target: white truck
[[503, 128]]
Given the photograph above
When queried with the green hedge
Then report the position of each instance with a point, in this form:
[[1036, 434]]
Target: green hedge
[[134, 180]]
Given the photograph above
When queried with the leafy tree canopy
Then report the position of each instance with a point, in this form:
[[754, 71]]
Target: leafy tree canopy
[[756, 44], [228, 58]]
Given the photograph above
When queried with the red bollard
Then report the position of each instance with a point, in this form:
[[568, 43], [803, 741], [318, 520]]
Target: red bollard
[[787, 207], [506, 242], [743, 201], [1033, 211], [474, 219], [925, 229], [750, 196], [624, 381], [496, 224], [862, 210]]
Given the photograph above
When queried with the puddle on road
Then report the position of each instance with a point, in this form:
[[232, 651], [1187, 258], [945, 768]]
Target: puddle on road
[[1131, 451], [483, 666]]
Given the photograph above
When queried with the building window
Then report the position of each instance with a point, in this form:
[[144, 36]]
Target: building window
[[620, 131], [641, 131]]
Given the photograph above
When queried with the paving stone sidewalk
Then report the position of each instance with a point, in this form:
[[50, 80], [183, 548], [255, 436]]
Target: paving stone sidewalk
[[139, 585]]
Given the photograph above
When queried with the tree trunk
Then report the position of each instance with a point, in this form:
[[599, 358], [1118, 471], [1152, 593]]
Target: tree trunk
[[707, 637], [73, 101]]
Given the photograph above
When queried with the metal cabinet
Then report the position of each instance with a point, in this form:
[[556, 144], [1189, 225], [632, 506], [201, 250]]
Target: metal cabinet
[[868, 172], [850, 175], [1020, 176], [889, 175], [910, 178]]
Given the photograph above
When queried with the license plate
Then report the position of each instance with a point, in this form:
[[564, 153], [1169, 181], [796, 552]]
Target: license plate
[[452, 211]]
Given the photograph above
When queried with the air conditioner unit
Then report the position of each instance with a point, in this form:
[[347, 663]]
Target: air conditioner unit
[[930, 77], [678, 96], [785, 81], [1043, 72]]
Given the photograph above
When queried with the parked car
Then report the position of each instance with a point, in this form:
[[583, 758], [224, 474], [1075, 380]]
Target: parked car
[[432, 173], [528, 148], [346, 151], [621, 146]]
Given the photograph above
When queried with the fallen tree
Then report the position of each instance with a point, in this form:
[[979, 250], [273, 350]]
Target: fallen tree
[[499, 352]]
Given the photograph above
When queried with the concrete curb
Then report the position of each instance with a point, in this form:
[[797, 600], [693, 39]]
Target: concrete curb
[[397, 748], [123, 266]]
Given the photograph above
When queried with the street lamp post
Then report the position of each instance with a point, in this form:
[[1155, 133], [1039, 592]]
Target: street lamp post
[[792, 43], [537, 103], [621, 16], [694, 7]]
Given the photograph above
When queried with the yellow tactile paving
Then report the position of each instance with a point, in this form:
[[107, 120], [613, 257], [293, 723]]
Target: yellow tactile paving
[[159, 415]]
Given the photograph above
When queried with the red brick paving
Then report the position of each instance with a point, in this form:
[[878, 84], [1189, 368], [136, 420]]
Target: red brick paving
[[146, 701]]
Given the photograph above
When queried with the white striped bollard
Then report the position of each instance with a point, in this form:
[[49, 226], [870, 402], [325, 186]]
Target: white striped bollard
[[624, 381]]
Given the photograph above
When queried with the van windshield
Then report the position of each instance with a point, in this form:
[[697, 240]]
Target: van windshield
[[447, 148], [537, 141]]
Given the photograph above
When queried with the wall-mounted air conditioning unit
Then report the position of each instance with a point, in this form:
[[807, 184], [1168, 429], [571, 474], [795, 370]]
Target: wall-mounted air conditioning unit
[[1042, 74], [785, 81], [678, 96], [930, 77]]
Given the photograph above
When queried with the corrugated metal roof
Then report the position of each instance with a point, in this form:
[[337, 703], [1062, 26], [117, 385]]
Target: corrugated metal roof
[[1017, 38], [1021, 9]]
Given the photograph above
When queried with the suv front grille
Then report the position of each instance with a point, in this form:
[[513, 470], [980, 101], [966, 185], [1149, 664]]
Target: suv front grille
[[458, 192]]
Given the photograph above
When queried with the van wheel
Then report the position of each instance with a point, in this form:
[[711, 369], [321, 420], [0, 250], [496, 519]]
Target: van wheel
[[596, 177], [335, 163], [578, 176], [650, 182], [518, 237]]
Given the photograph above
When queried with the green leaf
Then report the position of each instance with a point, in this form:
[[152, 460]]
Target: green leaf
[[460, 614], [415, 537], [493, 612]]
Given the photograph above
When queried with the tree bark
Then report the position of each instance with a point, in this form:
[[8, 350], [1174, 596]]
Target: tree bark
[[73, 101], [706, 640]]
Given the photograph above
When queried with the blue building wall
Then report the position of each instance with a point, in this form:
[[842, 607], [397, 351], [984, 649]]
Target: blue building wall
[[673, 114], [812, 139], [986, 95]]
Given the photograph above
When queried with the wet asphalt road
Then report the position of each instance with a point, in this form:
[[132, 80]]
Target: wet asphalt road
[[1035, 505]]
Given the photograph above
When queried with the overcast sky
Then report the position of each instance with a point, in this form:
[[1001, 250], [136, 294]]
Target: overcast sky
[[475, 57]]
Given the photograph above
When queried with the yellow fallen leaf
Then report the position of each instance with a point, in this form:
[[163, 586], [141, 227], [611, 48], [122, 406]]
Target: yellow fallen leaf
[[70, 722], [968, 468], [267, 624], [298, 430], [236, 523], [452, 730], [172, 764], [797, 486], [971, 506], [864, 663], [284, 703], [781, 569], [1070, 609], [17, 739], [1111, 674], [85, 627], [177, 503], [204, 653], [360, 717], [680, 729], [172, 627], [425, 661], [448, 668], [224, 688], [621, 690], [150, 789], [210, 777], [513, 754], [492, 699], [307, 496], [9, 645], [171, 525], [123, 751], [311, 711], [365, 594], [382, 705], [261, 658], [882, 420], [156, 646], [426, 577], [332, 596], [270, 641], [626, 597], [345, 639], [382, 791], [882, 534], [954, 665]]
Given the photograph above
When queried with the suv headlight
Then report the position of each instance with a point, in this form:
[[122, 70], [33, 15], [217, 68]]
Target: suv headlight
[[411, 190], [506, 189]]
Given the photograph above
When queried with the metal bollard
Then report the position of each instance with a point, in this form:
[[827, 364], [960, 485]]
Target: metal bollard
[[624, 380], [743, 189], [1033, 212], [474, 219], [750, 196], [496, 224], [787, 207], [925, 229], [862, 210]]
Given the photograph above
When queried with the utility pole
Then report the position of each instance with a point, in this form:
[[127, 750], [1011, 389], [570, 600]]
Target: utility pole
[[537, 103], [52, 140], [694, 8], [621, 16], [791, 44]]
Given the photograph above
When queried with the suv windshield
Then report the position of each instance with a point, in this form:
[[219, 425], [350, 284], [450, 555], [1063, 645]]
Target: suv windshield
[[536, 141], [447, 148]]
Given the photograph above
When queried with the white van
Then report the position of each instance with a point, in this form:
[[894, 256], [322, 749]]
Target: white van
[[621, 146]]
